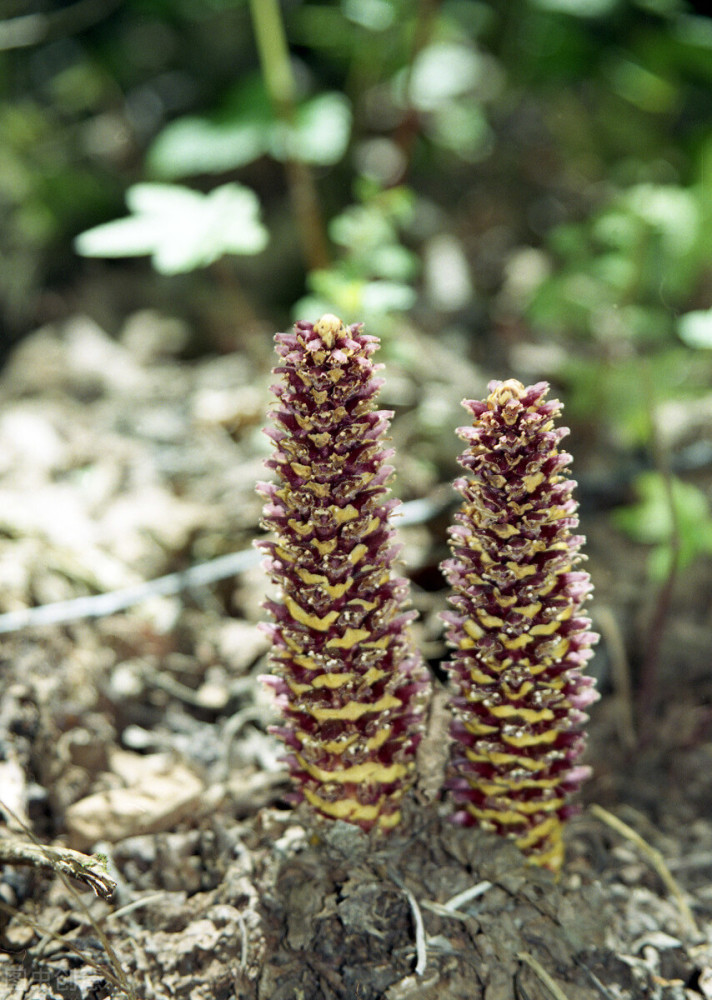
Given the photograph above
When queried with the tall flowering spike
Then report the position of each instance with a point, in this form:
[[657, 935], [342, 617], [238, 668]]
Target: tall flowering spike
[[349, 682], [520, 640]]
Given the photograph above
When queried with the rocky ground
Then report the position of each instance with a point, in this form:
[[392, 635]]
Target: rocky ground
[[141, 734]]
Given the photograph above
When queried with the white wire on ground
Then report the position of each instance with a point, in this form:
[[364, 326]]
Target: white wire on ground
[[100, 605]]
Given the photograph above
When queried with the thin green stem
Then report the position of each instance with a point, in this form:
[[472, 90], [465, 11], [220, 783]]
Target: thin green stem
[[273, 51]]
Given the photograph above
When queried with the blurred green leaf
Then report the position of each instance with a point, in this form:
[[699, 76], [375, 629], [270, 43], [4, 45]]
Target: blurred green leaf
[[650, 521], [180, 228], [194, 145], [462, 127], [616, 229], [637, 84], [376, 15], [620, 393], [361, 226], [354, 299], [386, 297], [237, 135], [371, 279], [442, 71], [622, 272], [695, 328], [578, 8], [394, 262], [616, 270], [673, 211], [321, 132], [358, 298]]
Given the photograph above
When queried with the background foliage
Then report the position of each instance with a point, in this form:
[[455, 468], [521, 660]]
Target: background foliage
[[531, 179]]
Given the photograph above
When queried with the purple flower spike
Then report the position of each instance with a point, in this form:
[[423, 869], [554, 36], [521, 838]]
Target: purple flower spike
[[350, 684], [520, 640]]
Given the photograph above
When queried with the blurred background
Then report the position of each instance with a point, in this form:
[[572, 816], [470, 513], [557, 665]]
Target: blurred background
[[496, 189]]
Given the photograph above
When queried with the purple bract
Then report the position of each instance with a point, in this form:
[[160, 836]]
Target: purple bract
[[349, 682], [520, 640]]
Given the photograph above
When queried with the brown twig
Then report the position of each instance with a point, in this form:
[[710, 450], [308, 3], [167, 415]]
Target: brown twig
[[82, 867], [46, 854]]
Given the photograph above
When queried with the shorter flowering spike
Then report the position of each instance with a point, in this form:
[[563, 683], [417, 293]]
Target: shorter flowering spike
[[520, 640], [349, 682]]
